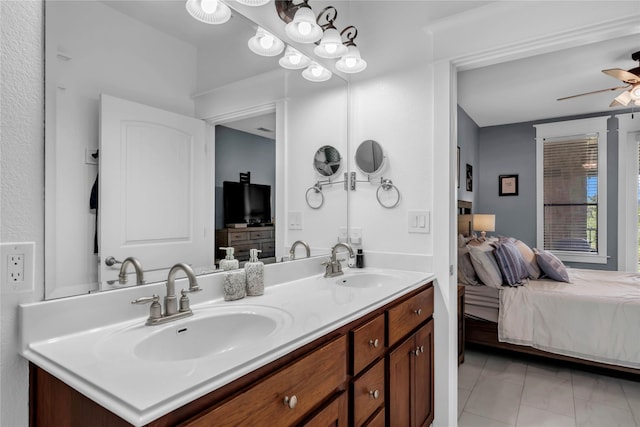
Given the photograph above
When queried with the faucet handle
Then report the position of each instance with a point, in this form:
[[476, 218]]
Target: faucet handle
[[155, 311], [191, 289]]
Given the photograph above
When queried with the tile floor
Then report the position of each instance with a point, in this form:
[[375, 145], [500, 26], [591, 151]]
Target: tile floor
[[497, 390]]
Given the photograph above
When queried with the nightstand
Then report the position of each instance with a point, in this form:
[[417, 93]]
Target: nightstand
[[461, 289]]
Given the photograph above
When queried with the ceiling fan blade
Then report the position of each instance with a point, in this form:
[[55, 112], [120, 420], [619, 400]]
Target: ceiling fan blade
[[595, 91], [623, 99], [622, 75]]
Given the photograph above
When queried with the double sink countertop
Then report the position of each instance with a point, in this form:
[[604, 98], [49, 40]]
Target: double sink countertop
[[143, 372]]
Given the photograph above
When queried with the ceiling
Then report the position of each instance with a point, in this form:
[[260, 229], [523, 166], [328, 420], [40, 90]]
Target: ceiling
[[527, 89]]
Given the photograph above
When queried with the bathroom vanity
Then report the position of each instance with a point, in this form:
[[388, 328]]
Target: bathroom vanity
[[366, 360]]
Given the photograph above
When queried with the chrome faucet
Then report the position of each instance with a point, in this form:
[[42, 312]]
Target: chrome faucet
[[333, 267], [292, 251], [122, 276], [171, 311]]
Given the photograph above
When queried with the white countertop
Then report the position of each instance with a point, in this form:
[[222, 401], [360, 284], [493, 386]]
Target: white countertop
[[141, 391]]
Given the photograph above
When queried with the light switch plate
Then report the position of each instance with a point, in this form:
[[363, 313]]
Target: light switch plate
[[295, 220], [419, 221], [342, 234], [356, 236]]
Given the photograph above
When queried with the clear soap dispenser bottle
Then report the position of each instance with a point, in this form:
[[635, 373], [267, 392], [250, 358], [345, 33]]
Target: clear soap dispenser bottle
[[254, 268], [229, 262]]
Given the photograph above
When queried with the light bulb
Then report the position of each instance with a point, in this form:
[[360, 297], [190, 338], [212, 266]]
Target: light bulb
[[304, 28], [316, 71], [295, 59], [209, 6], [331, 47], [350, 61], [266, 41]]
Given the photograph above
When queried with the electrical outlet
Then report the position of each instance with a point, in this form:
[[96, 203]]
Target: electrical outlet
[[17, 267]]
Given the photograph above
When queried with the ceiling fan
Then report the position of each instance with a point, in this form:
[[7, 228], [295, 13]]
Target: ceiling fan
[[631, 78]]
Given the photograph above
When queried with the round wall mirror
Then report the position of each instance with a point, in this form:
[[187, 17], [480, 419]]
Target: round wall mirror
[[370, 158], [327, 161]]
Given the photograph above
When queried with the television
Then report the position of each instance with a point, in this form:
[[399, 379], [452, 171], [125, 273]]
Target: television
[[246, 203]]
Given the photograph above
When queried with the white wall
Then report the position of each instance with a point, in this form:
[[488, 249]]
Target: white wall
[[116, 55], [22, 180]]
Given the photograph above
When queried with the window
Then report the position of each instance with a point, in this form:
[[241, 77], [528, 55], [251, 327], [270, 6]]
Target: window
[[571, 164]]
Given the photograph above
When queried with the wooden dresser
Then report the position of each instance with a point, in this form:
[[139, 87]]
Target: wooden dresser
[[461, 328], [243, 239]]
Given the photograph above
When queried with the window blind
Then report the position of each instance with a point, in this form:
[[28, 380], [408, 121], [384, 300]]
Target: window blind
[[571, 194]]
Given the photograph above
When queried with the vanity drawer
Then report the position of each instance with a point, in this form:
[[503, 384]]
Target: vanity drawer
[[368, 393], [305, 384], [367, 342], [378, 420], [407, 315], [261, 234]]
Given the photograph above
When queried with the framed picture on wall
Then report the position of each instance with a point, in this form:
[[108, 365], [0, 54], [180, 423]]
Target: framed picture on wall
[[508, 185], [469, 177]]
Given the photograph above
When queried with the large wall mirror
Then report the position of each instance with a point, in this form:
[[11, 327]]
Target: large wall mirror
[[119, 74]]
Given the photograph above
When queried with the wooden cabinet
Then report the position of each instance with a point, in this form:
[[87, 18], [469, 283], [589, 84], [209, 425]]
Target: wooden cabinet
[[410, 393], [374, 371], [244, 239], [461, 327], [288, 395]]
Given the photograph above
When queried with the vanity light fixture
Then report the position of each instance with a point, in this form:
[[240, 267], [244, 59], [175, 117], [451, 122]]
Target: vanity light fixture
[[266, 44], [351, 62], [209, 11], [293, 59], [303, 27], [331, 43], [316, 73]]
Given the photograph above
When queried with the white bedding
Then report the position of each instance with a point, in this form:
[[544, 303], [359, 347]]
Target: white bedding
[[595, 317]]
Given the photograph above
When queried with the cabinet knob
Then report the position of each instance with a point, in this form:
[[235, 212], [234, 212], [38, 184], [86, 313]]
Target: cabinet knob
[[418, 311], [417, 351], [421, 349], [374, 343], [374, 394], [291, 402]]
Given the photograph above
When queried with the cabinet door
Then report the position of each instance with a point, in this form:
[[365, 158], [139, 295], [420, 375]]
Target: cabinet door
[[399, 391], [335, 414], [423, 376]]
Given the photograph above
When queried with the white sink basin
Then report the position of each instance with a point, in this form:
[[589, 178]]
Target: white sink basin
[[367, 280], [209, 332]]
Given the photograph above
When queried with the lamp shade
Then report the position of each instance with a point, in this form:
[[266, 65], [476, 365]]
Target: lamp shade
[[293, 59], [266, 44], [484, 222], [209, 11], [330, 45], [351, 62], [304, 28], [316, 73], [253, 3]]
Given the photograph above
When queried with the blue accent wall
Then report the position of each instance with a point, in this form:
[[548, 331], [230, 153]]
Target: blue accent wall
[[238, 151], [511, 149]]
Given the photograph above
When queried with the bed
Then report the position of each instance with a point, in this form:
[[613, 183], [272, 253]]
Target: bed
[[593, 320]]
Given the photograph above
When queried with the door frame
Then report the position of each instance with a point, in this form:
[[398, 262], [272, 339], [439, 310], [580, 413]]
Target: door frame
[[628, 141]]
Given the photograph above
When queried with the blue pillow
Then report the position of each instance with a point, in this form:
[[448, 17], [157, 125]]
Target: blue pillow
[[551, 266], [511, 263]]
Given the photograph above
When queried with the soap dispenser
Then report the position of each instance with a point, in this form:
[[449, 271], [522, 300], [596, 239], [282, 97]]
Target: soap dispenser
[[229, 263], [254, 269], [235, 282]]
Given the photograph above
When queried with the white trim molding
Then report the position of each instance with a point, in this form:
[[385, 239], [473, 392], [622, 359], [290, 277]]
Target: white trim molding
[[570, 128], [628, 124]]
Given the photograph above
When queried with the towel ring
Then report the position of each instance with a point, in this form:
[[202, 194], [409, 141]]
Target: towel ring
[[317, 188], [387, 185]]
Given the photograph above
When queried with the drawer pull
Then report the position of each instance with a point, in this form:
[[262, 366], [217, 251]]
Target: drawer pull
[[421, 349], [418, 312], [416, 351], [291, 402], [374, 394], [374, 343]]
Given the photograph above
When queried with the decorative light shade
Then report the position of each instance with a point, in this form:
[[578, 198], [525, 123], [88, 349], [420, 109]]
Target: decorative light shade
[[266, 44], [293, 59], [623, 99], [316, 73], [351, 62], [330, 45], [209, 11], [304, 28], [635, 92], [254, 3], [484, 223]]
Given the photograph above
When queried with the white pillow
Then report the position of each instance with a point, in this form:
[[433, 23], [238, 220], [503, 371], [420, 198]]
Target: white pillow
[[485, 265]]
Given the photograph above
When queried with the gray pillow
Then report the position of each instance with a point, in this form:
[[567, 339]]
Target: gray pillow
[[510, 262], [551, 266], [485, 265], [466, 273]]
